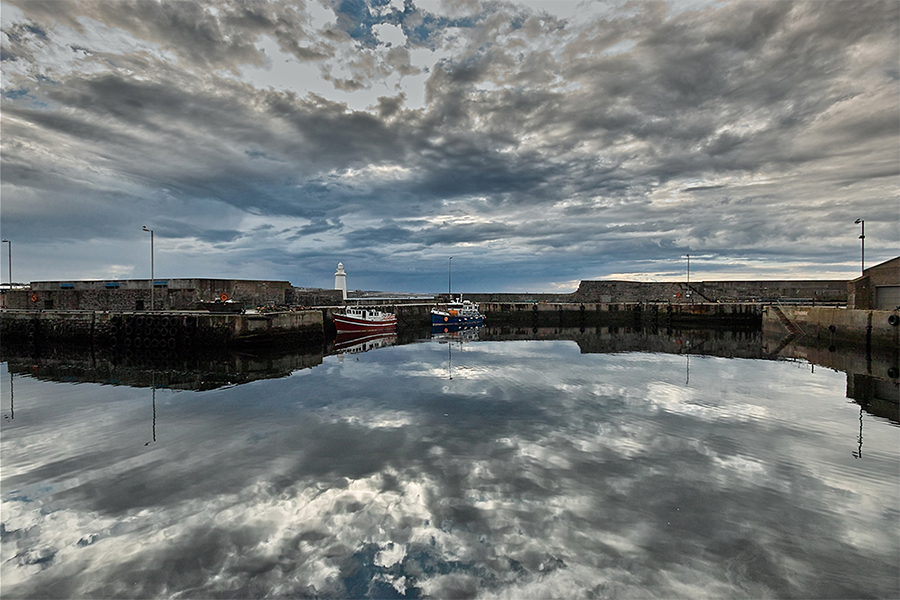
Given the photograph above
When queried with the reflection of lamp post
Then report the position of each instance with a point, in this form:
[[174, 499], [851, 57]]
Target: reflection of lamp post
[[12, 399], [9, 254], [153, 385], [862, 238], [151, 266], [858, 453]]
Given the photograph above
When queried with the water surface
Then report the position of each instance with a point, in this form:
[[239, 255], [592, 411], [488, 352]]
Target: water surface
[[454, 469]]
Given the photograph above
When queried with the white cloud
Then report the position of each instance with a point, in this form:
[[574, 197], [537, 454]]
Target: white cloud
[[390, 34]]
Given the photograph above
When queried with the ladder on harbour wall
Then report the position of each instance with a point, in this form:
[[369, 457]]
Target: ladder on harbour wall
[[788, 324], [699, 293], [793, 330]]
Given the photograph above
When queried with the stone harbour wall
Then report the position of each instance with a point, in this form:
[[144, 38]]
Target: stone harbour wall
[[159, 331], [827, 325], [807, 291]]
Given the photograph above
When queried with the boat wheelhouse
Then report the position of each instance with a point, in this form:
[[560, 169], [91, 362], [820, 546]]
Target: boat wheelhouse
[[364, 318], [457, 313]]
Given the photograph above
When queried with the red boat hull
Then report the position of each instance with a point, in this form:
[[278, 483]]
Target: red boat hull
[[348, 323]]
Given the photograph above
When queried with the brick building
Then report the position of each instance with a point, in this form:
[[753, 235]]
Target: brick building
[[877, 289], [167, 294]]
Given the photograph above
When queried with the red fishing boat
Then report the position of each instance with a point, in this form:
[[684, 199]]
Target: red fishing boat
[[362, 318]]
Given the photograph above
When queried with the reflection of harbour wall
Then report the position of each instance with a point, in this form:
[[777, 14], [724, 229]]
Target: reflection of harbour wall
[[198, 371], [614, 339], [873, 375], [159, 331], [881, 361], [623, 313], [877, 395]]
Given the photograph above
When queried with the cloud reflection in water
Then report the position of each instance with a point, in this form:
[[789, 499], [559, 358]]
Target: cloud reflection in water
[[536, 471]]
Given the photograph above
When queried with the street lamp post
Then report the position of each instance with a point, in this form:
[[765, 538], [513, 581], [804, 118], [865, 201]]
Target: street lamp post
[[152, 275], [689, 294], [689, 272], [450, 278], [9, 254], [862, 238]]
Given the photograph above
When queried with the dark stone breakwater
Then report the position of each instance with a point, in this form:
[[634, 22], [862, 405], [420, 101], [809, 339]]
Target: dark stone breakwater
[[145, 332], [188, 331]]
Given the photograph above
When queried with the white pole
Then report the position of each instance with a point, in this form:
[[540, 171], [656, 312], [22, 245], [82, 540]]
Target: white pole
[[9, 254], [152, 274]]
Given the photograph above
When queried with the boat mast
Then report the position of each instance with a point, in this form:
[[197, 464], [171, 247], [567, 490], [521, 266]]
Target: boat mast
[[450, 279]]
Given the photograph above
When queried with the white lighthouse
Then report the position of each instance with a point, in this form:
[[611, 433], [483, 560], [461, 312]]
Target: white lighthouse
[[340, 279]]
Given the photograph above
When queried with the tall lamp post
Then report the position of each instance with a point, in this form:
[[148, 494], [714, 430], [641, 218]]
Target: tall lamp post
[[691, 296], [152, 276], [689, 272], [862, 238], [9, 254], [450, 278]]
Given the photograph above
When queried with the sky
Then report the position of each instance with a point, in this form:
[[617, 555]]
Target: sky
[[536, 143]]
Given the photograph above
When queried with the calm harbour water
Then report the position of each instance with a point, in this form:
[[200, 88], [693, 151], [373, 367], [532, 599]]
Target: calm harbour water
[[447, 468]]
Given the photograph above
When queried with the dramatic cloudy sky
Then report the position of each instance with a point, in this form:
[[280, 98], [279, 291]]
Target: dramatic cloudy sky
[[537, 143]]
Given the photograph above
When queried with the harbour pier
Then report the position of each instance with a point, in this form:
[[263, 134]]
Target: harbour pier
[[188, 314], [171, 331]]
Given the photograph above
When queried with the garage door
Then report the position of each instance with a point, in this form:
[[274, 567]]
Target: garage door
[[887, 297]]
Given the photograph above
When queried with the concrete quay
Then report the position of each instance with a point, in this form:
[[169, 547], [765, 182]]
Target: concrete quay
[[186, 330], [153, 332], [826, 326]]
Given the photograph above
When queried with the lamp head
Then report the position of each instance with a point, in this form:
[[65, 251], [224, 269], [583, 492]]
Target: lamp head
[[145, 227], [7, 241], [858, 221]]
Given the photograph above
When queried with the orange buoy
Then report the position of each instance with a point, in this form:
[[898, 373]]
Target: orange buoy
[[223, 297], [34, 298]]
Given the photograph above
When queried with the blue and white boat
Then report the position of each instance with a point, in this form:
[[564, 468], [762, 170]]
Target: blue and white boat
[[457, 313]]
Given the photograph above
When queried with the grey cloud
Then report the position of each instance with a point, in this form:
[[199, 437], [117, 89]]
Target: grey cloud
[[187, 28], [167, 227], [393, 233], [318, 225], [799, 96]]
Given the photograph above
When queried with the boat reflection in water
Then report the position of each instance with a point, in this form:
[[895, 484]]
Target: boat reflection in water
[[460, 332], [354, 342], [450, 334]]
